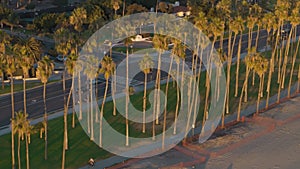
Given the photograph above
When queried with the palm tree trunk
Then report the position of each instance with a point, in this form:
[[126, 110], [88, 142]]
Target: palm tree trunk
[[259, 94], [65, 140], [198, 83], [24, 94], [27, 151], [144, 104], [46, 121], [257, 36], [293, 65], [238, 65], [165, 106], [96, 93], [12, 116], [127, 100], [114, 88], [79, 96], [92, 110], [88, 110], [177, 101], [2, 80], [124, 4], [229, 60], [272, 64], [101, 113], [73, 101], [158, 89], [241, 97], [19, 156]]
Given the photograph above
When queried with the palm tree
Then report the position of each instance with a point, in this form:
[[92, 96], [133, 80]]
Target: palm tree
[[91, 71], [251, 21], [249, 66], [116, 5], [127, 42], [28, 51], [10, 68], [62, 45], [77, 18], [28, 131], [160, 44], [260, 67], [23, 128], [233, 27], [18, 122], [44, 71], [216, 31], [107, 69], [283, 7], [281, 13], [258, 14], [239, 23], [70, 65], [145, 65], [270, 24]]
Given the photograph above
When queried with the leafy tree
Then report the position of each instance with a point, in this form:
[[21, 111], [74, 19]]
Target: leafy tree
[[135, 8], [5, 40]]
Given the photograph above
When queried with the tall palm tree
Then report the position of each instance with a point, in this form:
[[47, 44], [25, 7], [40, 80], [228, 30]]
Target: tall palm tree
[[160, 44], [233, 27], [28, 52], [270, 24], [260, 67], [77, 18], [19, 122], [107, 69], [281, 13], [239, 23], [91, 71], [10, 69], [258, 14], [249, 66], [23, 128], [62, 38], [44, 71], [28, 131], [70, 65], [145, 65], [127, 42], [283, 7], [215, 30]]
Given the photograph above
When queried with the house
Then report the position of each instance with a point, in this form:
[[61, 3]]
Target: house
[[181, 11]]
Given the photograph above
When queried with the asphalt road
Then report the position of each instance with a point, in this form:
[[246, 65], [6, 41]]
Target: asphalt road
[[55, 97]]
